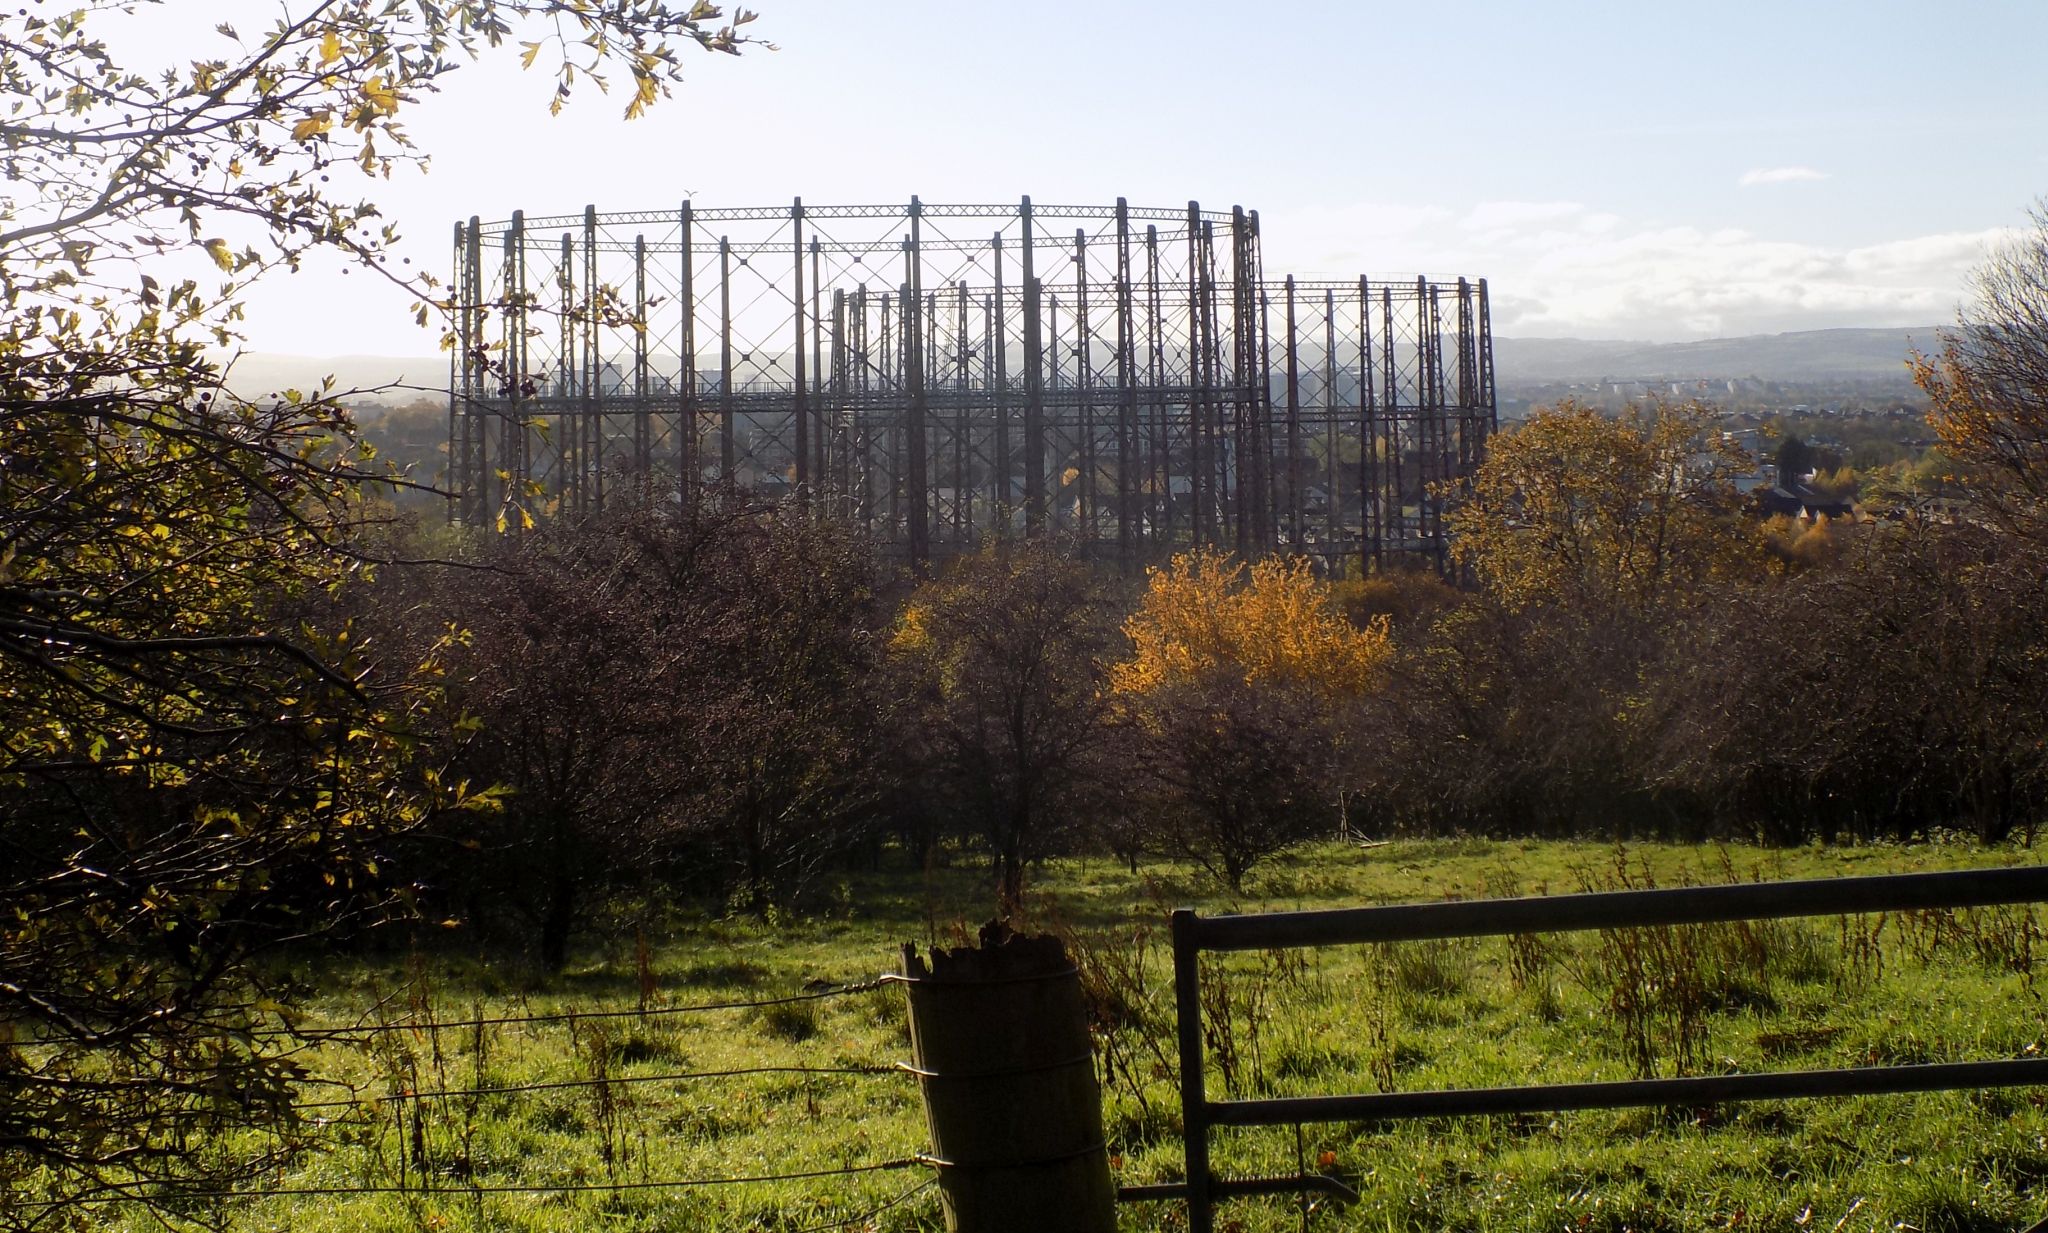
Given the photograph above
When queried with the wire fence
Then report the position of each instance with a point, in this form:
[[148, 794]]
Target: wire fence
[[165, 1198]]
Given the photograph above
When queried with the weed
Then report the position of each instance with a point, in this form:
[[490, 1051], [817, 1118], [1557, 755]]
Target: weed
[[794, 1022]]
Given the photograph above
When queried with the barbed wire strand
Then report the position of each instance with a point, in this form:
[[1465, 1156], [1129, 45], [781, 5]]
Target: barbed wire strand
[[675, 1077], [652, 1012], [319, 1034], [125, 1195]]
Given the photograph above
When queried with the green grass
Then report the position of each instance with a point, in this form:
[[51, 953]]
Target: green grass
[[1789, 995]]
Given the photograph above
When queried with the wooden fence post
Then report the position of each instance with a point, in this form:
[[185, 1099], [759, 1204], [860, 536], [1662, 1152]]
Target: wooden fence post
[[1000, 1037]]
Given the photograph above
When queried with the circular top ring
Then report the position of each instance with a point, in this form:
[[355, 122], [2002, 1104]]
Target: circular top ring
[[1140, 214]]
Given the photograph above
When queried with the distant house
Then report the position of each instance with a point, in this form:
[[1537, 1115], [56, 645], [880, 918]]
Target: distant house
[[1800, 501]]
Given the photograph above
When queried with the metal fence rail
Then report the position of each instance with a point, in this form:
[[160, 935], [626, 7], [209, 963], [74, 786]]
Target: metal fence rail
[[1692, 905]]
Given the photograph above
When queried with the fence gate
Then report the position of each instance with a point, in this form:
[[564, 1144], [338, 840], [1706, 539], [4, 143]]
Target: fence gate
[[1692, 905]]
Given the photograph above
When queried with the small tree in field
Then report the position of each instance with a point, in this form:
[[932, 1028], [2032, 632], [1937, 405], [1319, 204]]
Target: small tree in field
[[1236, 696], [1001, 667]]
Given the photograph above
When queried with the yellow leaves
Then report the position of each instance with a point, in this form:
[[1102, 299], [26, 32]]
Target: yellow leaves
[[913, 629], [330, 48], [380, 97], [1601, 510], [527, 57], [1274, 622], [222, 255], [313, 126], [647, 88]]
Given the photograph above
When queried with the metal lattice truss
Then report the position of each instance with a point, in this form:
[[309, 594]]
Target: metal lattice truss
[[1121, 376]]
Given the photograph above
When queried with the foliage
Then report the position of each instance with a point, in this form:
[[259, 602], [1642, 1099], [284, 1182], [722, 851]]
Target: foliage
[[1001, 666], [1600, 513], [1234, 702], [1230, 773], [1989, 384], [665, 688], [195, 764], [1408, 599], [231, 154], [1898, 686], [1272, 624], [198, 762]]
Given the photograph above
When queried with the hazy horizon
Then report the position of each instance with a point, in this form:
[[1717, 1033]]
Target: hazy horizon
[[1627, 173]]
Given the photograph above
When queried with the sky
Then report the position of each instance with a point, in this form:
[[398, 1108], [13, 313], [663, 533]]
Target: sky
[[1658, 171]]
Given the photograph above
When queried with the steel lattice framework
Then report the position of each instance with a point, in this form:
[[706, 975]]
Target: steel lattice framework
[[1121, 376]]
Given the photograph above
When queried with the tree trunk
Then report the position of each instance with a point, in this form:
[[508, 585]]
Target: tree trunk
[[559, 920]]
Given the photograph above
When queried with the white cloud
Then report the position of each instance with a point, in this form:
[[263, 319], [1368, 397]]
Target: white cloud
[[1778, 175], [1494, 215], [1559, 268]]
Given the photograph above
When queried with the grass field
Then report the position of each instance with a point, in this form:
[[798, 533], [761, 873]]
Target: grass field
[[1784, 995]]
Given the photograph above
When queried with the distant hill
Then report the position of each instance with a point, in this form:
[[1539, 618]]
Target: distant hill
[[255, 374], [1807, 355], [1804, 356]]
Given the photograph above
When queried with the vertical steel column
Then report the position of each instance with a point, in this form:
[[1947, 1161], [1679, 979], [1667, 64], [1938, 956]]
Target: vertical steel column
[[1126, 395], [1197, 411], [1332, 510], [963, 355], [819, 442], [688, 429], [1084, 383], [593, 406], [1251, 393], [890, 382], [1488, 394], [998, 505], [1294, 540], [643, 435], [1468, 381], [568, 487], [478, 443], [913, 364], [841, 445], [858, 442], [1251, 336], [1194, 1099], [1269, 510], [727, 451], [1371, 525], [999, 357], [1391, 385], [1438, 413], [459, 480], [458, 474], [512, 440], [1212, 378], [1159, 505], [1034, 385], [802, 407]]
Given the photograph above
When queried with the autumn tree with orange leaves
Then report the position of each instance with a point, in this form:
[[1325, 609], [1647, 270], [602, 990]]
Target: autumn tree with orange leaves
[[1235, 697]]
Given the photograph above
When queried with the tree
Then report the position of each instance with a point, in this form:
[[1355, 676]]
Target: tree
[[1601, 513], [1001, 663], [674, 696], [1236, 694], [1523, 708], [1897, 690], [197, 765], [1795, 459], [1989, 385], [1271, 623]]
